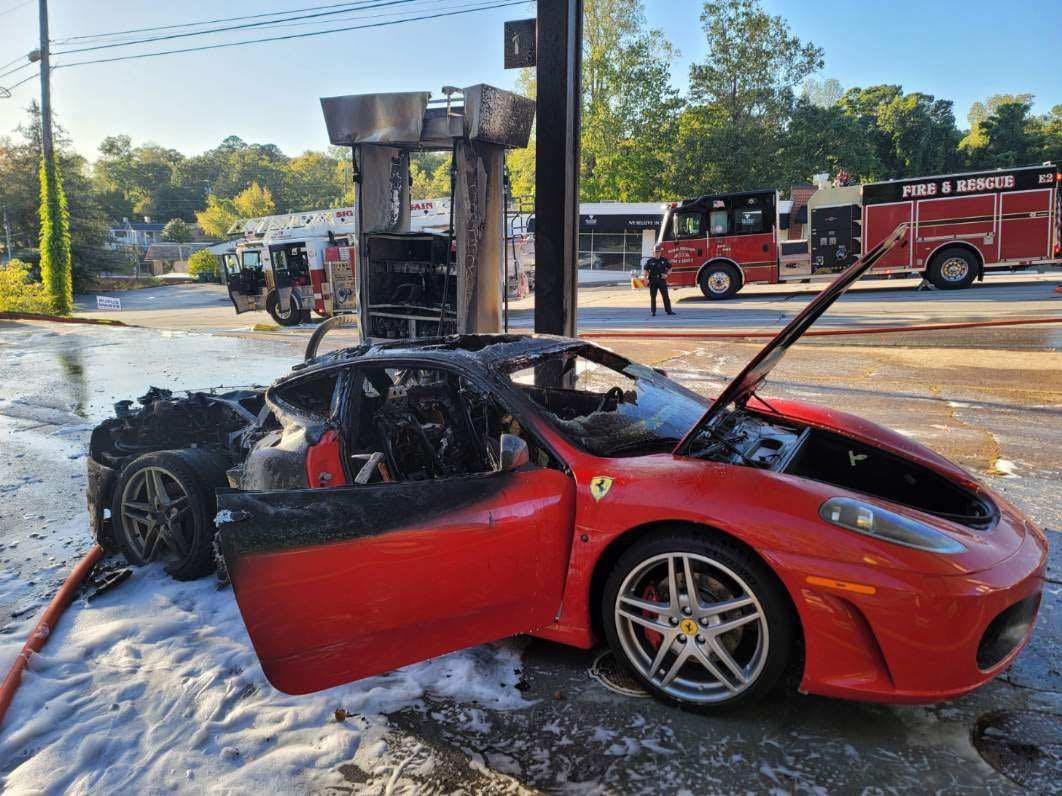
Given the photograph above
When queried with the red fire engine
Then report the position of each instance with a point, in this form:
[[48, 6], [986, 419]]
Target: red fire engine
[[959, 226]]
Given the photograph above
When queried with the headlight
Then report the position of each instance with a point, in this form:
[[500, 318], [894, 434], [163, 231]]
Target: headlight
[[886, 525]]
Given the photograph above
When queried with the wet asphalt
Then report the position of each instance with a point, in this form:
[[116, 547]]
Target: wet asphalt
[[990, 400]]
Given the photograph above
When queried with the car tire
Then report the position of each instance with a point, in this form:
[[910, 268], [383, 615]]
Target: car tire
[[174, 525], [719, 281], [953, 269], [723, 669], [293, 316]]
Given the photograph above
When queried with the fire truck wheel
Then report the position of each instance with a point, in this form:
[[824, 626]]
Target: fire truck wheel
[[291, 316], [719, 281], [952, 269]]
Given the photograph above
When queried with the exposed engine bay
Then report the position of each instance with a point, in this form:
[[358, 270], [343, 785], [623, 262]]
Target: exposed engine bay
[[752, 439]]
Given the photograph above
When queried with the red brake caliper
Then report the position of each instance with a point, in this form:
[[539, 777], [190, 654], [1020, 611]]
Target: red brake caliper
[[651, 636]]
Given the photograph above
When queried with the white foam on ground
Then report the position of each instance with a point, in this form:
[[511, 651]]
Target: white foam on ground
[[156, 685], [1006, 468]]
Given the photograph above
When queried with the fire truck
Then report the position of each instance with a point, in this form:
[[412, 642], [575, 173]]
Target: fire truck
[[291, 264], [958, 227]]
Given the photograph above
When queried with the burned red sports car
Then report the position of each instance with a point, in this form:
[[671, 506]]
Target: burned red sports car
[[387, 503]]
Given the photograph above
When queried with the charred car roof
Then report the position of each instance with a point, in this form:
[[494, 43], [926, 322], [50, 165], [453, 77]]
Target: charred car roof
[[491, 351]]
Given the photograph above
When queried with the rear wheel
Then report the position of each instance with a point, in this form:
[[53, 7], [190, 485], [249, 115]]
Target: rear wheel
[[719, 281], [700, 621], [163, 510], [952, 269], [285, 316]]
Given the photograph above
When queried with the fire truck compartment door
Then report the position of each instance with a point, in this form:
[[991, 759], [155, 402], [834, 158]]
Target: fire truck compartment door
[[339, 584]]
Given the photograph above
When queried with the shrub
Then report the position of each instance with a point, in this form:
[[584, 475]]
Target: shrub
[[203, 262], [18, 291]]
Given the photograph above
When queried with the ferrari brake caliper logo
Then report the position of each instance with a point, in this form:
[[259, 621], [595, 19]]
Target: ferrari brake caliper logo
[[599, 486], [688, 626]]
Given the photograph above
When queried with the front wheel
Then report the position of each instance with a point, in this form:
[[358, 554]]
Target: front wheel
[[719, 281], [289, 316], [700, 621], [952, 269]]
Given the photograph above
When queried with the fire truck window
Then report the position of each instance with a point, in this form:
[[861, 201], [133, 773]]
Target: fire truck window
[[689, 225], [719, 222], [252, 260], [232, 265], [747, 222]]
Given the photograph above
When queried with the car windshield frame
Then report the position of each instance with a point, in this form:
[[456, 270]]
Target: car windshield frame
[[661, 413]]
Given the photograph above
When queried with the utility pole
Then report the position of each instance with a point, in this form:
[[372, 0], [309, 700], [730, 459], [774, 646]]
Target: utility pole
[[46, 93]]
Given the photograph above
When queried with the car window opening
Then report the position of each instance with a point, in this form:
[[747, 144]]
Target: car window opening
[[429, 423]]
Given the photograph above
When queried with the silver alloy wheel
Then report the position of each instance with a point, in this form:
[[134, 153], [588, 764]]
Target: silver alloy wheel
[[719, 281], [155, 514], [703, 644], [954, 269]]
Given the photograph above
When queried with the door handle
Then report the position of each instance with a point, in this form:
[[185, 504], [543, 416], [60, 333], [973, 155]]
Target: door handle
[[765, 247]]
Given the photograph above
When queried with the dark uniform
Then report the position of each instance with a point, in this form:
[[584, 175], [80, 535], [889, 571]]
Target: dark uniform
[[657, 269]]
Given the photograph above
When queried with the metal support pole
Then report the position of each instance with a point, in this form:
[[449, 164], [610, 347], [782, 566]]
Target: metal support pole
[[560, 34]]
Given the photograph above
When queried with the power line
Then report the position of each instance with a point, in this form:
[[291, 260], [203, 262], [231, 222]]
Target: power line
[[293, 35], [15, 7], [16, 69], [24, 80], [244, 26], [13, 61], [203, 22], [340, 16]]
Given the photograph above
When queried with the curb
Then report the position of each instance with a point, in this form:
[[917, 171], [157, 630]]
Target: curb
[[33, 316]]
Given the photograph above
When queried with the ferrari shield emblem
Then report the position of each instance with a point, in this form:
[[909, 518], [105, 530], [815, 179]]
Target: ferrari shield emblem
[[599, 486]]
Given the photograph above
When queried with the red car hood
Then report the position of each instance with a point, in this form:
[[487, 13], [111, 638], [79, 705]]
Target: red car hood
[[738, 392]]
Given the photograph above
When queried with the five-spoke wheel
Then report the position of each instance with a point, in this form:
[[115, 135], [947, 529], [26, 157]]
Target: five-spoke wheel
[[700, 621], [163, 510]]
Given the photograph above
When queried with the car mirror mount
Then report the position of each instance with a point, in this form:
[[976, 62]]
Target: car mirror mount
[[513, 453]]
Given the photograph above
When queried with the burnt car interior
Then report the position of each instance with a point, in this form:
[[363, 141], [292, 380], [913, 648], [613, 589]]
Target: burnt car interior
[[428, 423]]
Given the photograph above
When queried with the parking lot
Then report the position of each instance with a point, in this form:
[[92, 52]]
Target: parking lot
[[526, 714]]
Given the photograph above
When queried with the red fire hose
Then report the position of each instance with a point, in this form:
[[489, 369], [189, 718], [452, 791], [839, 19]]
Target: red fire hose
[[924, 327], [45, 626]]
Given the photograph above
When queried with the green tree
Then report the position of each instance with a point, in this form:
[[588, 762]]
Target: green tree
[[20, 161], [217, 217], [1012, 137], [824, 139], [912, 134], [629, 108], [55, 239], [312, 181], [741, 97], [254, 201], [203, 262], [177, 230], [822, 93]]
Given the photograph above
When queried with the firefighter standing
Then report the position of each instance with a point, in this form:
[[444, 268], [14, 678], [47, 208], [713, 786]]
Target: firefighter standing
[[657, 268]]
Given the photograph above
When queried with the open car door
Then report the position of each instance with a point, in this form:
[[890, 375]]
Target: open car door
[[342, 583], [243, 275]]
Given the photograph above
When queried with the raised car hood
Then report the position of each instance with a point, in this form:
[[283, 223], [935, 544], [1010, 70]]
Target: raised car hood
[[737, 393]]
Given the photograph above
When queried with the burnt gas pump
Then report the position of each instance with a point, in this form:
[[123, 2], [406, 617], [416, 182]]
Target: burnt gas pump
[[425, 284]]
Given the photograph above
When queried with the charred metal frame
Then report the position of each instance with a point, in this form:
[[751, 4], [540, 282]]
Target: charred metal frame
[[560, 35]]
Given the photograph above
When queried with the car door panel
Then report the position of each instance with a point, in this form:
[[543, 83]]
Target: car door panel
[[339, 584]]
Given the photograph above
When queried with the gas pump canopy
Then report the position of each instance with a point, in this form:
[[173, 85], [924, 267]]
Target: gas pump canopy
[[416, 284]]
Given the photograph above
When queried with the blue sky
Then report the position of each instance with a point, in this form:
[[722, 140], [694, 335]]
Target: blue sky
[[963, 51]]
